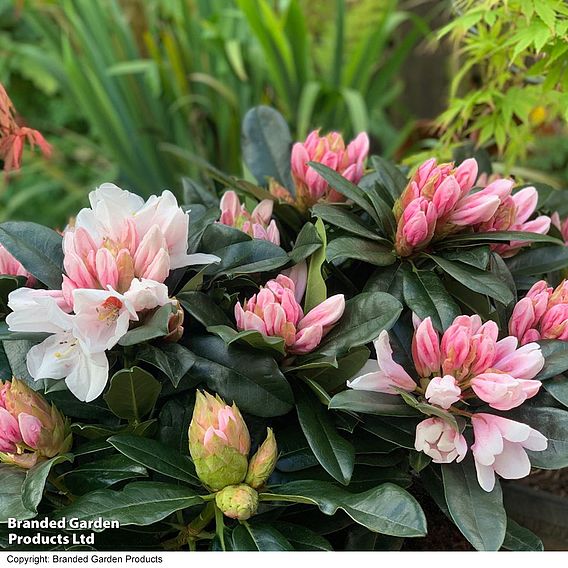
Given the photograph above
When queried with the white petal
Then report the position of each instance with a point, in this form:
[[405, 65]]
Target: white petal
[[536, 441], [512, 462], [54, 358], [89, 376], [485, 476], [197, 258]]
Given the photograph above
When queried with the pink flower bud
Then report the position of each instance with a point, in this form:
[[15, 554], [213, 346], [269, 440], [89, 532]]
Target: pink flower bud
[[329, 150], [307, 339], [31, 430], [426, 349], [523, 318], [473, 209], [443, 391], [416, 226], [262, 464], [523, 363], [438, 439], [466, 174], [325, 314], [446, 196], [554, 323], [499, 448]]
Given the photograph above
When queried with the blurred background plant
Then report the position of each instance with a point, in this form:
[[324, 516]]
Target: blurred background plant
[[109, 81], [509, 87]]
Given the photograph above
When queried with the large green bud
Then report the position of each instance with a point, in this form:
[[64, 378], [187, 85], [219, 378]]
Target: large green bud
[[237, 501], [262, 463], [219, 442]]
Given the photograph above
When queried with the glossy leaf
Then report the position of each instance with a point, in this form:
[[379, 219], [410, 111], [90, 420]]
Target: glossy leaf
[[307, 243], [369, 402], [259, 537], [479, 515], [132, 393], [156, 456], [360, 249], [335, 453], [139, 503], [251, 379], [250, 337], [155, 326], [173, 359]]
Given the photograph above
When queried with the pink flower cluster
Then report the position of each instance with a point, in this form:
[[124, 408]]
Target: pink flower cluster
[[439, 201], [257, 224], [469, 362], [9, 266], [116, 258], [331, 151], [541, 314], [275, 312], [512, 215]]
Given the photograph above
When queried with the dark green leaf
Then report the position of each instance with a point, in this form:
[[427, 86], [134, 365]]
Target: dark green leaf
[[476, 280], [499, 236], [555, 353], [388, 175], [249, 337], [335, 453], [252, 380], [341, 217], [479, 515], [156, 456], [11, 505], [139, 503], [203, 309], [301, 537], [155, 326], [173, 359], [333, 377], [307, 243], [102, 473], [266, 143], [474, 256], [385, 217], [360, 249], [259, 537], [426, 296], [520, 539], [537, 261], [132, 393], [558, 388], [365, 316], [369, 402], [34, 483], [38, 248], [387, 509]]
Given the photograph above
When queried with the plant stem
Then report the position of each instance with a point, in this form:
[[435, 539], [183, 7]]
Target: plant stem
[[219, 526]]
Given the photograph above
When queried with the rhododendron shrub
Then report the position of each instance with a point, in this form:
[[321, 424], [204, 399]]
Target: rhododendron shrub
[[343, 334]]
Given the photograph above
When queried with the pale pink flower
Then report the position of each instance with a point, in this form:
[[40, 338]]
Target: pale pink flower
[[438, 201], [274, 311], [500, 446], [121, 237], [426, 349], [145, 294], [541, 314], [512, 215], [443, 391], [502, 391], [439, 440], [258, 224], [387, 376]]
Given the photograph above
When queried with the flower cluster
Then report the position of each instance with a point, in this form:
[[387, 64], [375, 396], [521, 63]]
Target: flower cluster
[[276, 312], [541, 314], [331, 151], [469, 363], [116, 258], [31, 430], [219, 443], [512, 215], [439, 201], [257, 224]]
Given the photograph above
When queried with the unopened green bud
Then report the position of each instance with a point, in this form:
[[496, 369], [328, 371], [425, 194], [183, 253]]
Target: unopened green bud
[[237, 501], [262, 463], [219, 442]]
